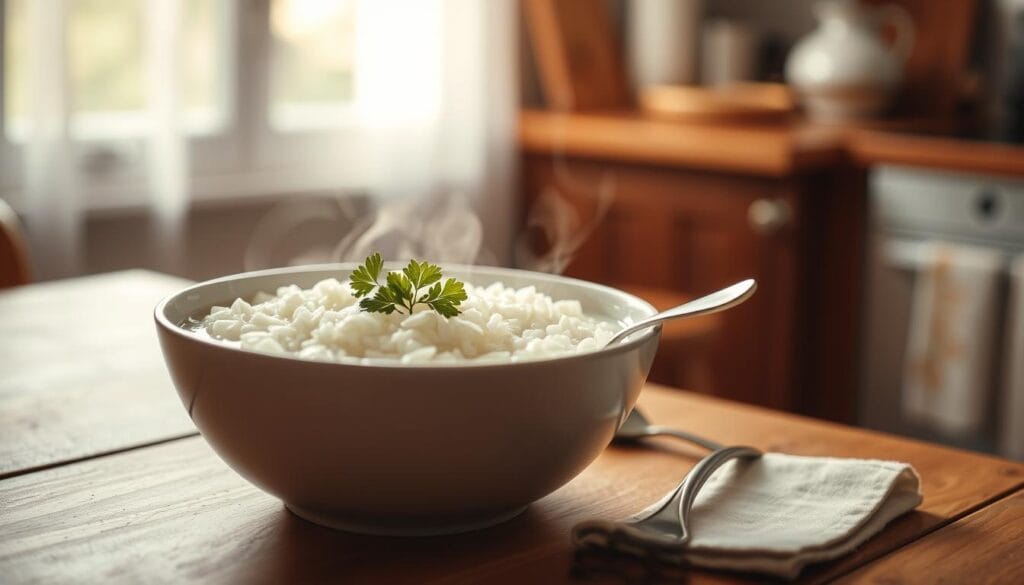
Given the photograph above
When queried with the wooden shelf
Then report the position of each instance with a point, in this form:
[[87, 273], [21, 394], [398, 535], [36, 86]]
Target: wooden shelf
[[771, 150]]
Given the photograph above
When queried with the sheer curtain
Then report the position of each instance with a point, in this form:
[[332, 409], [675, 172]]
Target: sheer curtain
[[167, 162], [437, 94], [50, 173], [53, 182], [435, 101]]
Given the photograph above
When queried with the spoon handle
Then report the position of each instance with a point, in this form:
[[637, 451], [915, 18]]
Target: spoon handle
[[650, 532], [699, 475], [717, 301], [657, 430]]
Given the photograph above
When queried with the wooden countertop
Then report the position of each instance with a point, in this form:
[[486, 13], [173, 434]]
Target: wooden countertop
[[771, 150], [872, 147], [153, 503]]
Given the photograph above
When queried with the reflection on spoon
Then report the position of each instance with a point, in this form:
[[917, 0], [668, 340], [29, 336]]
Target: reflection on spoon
[[721, 300]]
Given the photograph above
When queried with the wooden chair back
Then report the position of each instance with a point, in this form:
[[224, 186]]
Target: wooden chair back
[[14, 263], [577, 54]]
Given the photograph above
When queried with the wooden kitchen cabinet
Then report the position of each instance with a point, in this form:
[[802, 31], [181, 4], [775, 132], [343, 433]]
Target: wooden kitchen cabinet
[[692, 232], [697, 207]]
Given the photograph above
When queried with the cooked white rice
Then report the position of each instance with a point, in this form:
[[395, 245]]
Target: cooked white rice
[[497, 323]]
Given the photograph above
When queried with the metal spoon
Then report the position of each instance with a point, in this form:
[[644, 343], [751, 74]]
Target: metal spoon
[[637, 426], [721, 300]]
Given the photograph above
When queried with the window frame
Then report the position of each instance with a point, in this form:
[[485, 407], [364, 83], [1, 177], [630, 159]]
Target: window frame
[[243, 157]]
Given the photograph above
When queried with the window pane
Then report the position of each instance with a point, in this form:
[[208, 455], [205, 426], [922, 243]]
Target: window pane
[[15, 83], [205, 48], [313, 46], [107, 59], [106, 50]]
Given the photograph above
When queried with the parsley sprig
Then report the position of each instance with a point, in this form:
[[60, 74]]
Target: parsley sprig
[[417, 283]]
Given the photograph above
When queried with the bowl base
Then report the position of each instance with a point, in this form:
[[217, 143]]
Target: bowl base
[[434, 528]]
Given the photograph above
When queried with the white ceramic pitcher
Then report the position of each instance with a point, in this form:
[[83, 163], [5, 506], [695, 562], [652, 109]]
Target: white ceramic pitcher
[[844, 69]]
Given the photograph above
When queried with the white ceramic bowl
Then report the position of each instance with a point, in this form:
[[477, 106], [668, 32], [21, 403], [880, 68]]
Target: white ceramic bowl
[[404, 449]]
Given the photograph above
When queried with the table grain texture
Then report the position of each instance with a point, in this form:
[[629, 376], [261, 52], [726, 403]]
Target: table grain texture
[[151, 503], [984, 547], [81, 372]]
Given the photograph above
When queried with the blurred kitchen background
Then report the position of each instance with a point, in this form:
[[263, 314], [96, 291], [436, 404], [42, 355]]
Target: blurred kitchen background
[[864, 161]]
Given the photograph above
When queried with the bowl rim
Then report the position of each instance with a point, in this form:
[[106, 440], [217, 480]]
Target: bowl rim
[[631, 343]]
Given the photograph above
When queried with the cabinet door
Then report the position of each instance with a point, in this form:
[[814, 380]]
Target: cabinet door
[[693, 233]]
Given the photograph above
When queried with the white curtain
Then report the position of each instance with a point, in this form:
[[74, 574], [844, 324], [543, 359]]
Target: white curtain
[[50, 169], [435, 95], [53, 184], [166, 148]]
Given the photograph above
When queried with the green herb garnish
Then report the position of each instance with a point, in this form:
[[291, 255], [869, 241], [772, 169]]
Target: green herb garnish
[[402, 289]]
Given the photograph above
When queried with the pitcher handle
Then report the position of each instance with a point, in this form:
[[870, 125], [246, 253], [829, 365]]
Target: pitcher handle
[[900, 20]]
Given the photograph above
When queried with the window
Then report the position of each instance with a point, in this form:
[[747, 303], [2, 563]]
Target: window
[[266, 87], [106, 51], [313, 63]]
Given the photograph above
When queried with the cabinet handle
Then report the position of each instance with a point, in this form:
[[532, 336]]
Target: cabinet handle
[[769, 216]]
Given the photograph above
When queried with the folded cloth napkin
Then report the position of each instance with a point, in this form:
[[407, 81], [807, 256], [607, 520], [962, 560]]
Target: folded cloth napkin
[[779, 513]]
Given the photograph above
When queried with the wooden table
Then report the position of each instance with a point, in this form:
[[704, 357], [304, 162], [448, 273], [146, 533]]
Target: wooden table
[[105, 480]]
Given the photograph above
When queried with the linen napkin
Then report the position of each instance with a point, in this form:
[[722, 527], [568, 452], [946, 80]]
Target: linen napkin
[[947, 383], [779, 513]]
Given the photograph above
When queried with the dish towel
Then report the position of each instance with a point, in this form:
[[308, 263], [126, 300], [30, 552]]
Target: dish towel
[[947, 381], [779, 513], [1011, 441]]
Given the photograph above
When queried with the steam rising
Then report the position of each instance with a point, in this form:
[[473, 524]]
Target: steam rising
[[562, 227], [562, 224], [448, 232], [440, 229]]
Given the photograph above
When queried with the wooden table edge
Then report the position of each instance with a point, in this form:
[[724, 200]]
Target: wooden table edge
[[846, 576], [946, 522]]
